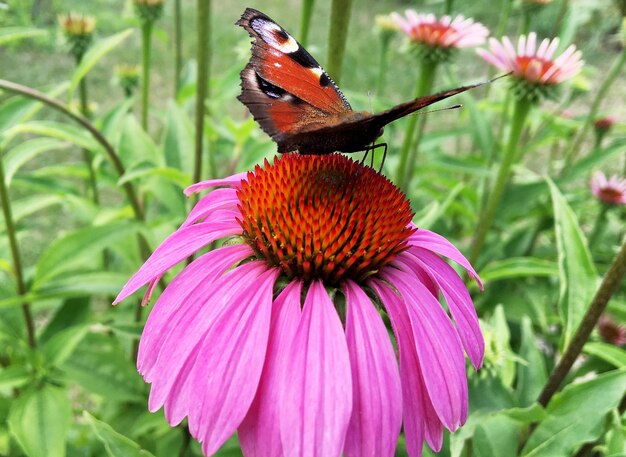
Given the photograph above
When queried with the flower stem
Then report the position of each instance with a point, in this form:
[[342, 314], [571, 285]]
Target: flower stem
[[337, 36], [413, 129], [607, 288], [146, 52], [204, 50], [574, 146], [598, 225], [447, 9], [520, 112], [305, 21], [88, 159], [385, 40], [178, 45], [15, 253]]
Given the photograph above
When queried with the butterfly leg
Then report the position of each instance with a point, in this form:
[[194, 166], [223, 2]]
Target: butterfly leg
[[367, 150]]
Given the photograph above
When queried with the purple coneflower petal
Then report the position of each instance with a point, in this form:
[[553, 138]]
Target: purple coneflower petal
[[420, 418], [187, 329], [433, 242], [438, 348], [196, 279], [377, 396], [232, 181], [456, 295], [218, 199], [178, 246], [259, 433], [229, 364], [316, 387]]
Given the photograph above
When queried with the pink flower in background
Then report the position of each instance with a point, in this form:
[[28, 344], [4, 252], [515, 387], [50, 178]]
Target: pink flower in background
[[280, 337], [445, 32], [611, 331], [611, 191], [532, 63]]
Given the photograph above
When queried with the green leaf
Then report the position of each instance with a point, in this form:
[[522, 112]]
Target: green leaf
[[59, 130], [136, 146], [518, 267], [502, 346], [532, 413], [9, 34], [578, 276], [14, 376], [616, 440], [26, 206], [427, 218], [612, 354], [115, 443], [495, 437], [178, 145], [18, 109], [62, 345], [77, 248], [532, 375], [39, 420], [93, 56], [173, 175], [576, 416]]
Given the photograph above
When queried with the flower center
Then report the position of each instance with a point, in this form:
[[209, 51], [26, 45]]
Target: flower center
[[533, 68], [324, 217], [434, 34]]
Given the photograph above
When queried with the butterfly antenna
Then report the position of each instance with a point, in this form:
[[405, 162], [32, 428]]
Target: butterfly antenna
[[457, 106], [369, 96]]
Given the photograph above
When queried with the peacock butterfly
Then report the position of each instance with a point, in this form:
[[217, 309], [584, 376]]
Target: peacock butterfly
[[297, 104]]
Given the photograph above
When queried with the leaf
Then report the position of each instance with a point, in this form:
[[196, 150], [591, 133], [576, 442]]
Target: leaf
[[77, 248], [59, 130], [115, 443], [576, 416], [173, 175], [578, 276], [502, 347], [136, 146], [518, 267], [178, 146], [607, 352], [96, 52], [61, 346], [39, 420], [532, 413], [26, 206], [18, 109], [532, 375], [14, 376], [9, 34], [495, 437], [435, 211]]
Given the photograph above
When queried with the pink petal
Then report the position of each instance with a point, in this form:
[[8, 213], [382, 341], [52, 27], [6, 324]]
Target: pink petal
[[377, 395], [176, 247], [231, 181], [316, 387], [229, 364], [456, 295], [259, 433], [438, 348], [420, 419], [429, 240], [218, 199], [198, 279], [182, 337]]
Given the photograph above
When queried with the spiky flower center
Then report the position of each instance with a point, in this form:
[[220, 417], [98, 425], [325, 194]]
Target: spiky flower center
[[533, 68], [433, 34], [324, 217]]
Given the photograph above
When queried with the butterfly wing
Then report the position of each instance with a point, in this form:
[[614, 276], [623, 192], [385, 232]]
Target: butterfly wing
[[283, 86]]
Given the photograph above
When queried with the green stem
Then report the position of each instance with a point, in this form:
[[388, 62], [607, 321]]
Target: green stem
[[560, 16], [526, 20], [204, 50], [88, 159], [178, 45], [385, 40], [15, 253], [413, 130], [520, 112], [607, 288], [337, 36], [505, 13], [447, 9], [146, 52], [599, 224], [305, 21], [575, 145]]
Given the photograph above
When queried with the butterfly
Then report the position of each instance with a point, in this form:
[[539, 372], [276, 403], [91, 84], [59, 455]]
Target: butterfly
[[299, 106]]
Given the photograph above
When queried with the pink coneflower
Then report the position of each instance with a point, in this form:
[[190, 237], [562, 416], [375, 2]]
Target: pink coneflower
[[611, 191], [279, 336], [604, 124], [445, 32], [532, 63]]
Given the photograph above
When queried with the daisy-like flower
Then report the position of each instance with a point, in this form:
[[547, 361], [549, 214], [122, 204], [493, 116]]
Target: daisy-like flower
[[280, 336], [437, 37], [611, 191], [78, 30], [534, 66]]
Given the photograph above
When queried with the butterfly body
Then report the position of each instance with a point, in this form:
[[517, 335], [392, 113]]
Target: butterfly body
[[298, 105]]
